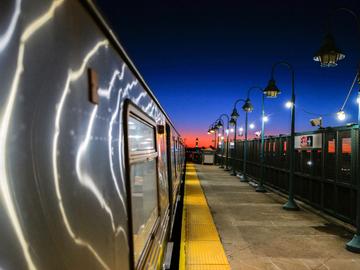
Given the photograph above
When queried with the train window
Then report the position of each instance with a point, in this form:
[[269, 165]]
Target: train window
[[143, 182], [141, 136]]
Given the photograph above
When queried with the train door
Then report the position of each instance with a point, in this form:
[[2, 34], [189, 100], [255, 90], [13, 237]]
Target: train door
[[142, 183]]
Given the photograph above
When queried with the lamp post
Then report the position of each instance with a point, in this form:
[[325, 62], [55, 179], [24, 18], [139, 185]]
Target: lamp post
[[248, 107], [260, 187], [234, 124], [234, 116], [219, 125], [328, 56], [272, 91], [212, 130]]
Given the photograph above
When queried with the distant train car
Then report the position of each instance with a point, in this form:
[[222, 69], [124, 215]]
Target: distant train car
[[90, 164]]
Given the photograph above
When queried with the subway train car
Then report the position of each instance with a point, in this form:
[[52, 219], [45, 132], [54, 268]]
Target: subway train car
[[90, 164]]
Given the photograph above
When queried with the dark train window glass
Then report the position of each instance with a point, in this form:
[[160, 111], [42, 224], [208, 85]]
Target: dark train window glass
[[143, 182]]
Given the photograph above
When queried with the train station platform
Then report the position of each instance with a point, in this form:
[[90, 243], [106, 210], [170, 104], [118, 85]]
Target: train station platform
[[253, 230]]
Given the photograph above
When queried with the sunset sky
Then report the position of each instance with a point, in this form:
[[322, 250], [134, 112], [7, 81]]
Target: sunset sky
[[198, 57]]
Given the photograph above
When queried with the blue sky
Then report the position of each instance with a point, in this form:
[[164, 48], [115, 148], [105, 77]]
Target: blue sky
[[198, 58]]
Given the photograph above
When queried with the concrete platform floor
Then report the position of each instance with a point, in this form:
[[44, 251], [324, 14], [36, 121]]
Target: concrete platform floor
[[258, 234]]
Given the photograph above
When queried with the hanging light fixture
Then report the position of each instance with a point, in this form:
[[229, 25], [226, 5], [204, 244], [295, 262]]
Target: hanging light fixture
[[219, 124], [234, 115], [247, 107], [328, 55], [271, 89], [232, 122]]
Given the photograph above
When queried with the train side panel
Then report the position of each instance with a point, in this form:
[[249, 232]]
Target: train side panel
[[64, 183]]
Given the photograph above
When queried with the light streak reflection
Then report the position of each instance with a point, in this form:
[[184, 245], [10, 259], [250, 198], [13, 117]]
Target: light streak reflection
[[6, 37], [5, 122], [72, 76], [110, 149]]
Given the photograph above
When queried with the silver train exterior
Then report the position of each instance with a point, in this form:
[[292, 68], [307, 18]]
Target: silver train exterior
[[66, 176]]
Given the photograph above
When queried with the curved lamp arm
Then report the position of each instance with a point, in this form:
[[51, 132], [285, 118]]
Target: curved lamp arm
[[348, 11], [252, 88], [237, 101], [284, 63], [227, 117]]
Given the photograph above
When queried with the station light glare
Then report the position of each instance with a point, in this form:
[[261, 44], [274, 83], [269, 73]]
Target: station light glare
[[227, 131], [222, 137], [252, 126], [358, 100], [288, 104], [265, 119], [341, 115], [219, 135], [231, 130], [241, 129], [309, 163]]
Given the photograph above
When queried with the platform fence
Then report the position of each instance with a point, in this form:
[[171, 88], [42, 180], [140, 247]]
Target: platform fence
[[325, 177]]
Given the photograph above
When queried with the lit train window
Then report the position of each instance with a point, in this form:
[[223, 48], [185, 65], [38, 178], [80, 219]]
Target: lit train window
[[143, 182], [141, 136]]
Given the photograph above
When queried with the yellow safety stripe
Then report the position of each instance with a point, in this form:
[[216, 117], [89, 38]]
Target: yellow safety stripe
[[200, 247]]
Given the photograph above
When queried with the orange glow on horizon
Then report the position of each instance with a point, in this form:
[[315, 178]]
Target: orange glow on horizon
[[205, 140]]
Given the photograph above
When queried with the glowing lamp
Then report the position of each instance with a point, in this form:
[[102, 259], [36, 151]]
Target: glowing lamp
[[341, 115], [328, 55], [248, 107], [271, 89], [234, 114], [288, 104], [252, 126]]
